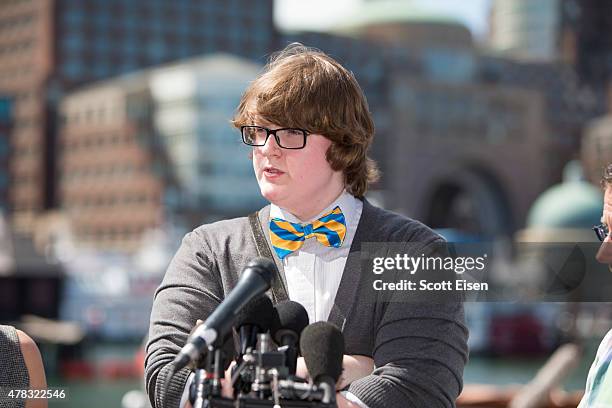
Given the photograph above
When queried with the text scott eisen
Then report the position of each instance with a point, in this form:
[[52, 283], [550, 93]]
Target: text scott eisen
[[424, 284]]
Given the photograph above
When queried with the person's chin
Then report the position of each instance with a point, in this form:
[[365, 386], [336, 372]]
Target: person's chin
[[272, 193]]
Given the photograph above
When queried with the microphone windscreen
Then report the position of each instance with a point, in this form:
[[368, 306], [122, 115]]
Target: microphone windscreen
[[264, 267], [322, 346], [258, 312], [292, 318]]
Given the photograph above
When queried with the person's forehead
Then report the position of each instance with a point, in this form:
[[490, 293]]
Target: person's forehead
[[260, 121]]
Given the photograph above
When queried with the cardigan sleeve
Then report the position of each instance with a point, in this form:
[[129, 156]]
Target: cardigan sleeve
[[191, 290], [420, 350]]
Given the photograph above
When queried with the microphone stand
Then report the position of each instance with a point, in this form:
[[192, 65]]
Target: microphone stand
[[200, 381], [218, 372], [203, 376]]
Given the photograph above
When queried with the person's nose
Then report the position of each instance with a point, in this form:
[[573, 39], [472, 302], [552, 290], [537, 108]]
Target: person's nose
[[271, 148]]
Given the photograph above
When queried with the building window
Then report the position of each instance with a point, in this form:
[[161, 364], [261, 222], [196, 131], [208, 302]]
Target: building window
[[75, 16], [102, 45], [74, 68], [73, 42]]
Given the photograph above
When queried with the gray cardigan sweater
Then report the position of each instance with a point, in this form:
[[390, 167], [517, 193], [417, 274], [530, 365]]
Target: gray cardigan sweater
[[419, 349]]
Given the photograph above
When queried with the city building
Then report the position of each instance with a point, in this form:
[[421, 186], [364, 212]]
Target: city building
[[525, 29], [153, 147], [586, 39], [6, 121], [488, 146], [48, 47], [577, 32], [465, 140], [168, 132], [106, 185], [569, 104], [25, 65], [466, 156], [193, 103]]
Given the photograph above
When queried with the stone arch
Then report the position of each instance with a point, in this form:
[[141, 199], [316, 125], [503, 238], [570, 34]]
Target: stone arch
[[470, 199]]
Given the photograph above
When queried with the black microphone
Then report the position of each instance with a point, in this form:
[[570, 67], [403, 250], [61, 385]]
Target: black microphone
[[254, 281], [322, 346], [292, 319], [256, 317]]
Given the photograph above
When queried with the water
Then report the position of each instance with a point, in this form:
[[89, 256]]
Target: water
[[93, 394], [513, 371]]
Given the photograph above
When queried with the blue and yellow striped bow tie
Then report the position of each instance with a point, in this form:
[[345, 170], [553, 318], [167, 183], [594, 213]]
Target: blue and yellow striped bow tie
[[287, 236]]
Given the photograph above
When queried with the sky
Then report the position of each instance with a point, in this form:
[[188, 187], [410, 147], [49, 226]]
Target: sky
[[319, 15]]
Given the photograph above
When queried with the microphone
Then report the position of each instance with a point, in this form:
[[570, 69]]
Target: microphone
[[256, 317], [292, 319], [322, 346], [254, 281]]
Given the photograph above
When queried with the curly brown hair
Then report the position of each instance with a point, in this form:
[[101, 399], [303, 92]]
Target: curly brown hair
[[305, 88]]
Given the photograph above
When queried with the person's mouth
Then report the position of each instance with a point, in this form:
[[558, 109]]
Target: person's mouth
[[272, 172]]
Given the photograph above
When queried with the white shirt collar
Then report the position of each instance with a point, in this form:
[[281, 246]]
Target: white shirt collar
[[345, 201]]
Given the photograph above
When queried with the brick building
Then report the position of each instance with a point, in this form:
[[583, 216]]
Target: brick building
[[6, 121], [154, 146]]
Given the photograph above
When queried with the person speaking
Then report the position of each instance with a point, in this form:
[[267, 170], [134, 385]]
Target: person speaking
[[310, 129]]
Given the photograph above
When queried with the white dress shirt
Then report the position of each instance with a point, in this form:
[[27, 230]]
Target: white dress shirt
[[314, 271]]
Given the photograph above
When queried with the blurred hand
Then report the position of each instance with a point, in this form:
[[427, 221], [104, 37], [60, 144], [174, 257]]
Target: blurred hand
[[344, 403], [354, 367], [227, 391], [300, 369]]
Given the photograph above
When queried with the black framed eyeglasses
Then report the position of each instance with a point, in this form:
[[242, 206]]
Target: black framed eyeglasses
[[287, 138], [601, 231]]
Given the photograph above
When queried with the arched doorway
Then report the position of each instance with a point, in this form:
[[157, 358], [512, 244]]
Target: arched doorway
[[469, 201]]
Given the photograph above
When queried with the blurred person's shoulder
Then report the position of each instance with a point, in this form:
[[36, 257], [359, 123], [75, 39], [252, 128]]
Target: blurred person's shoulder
[[28, 346], [25, 357], [605, 346]]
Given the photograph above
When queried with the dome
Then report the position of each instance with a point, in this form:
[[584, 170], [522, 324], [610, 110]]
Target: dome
[[394, 11], [571, 204], [404, 22]]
